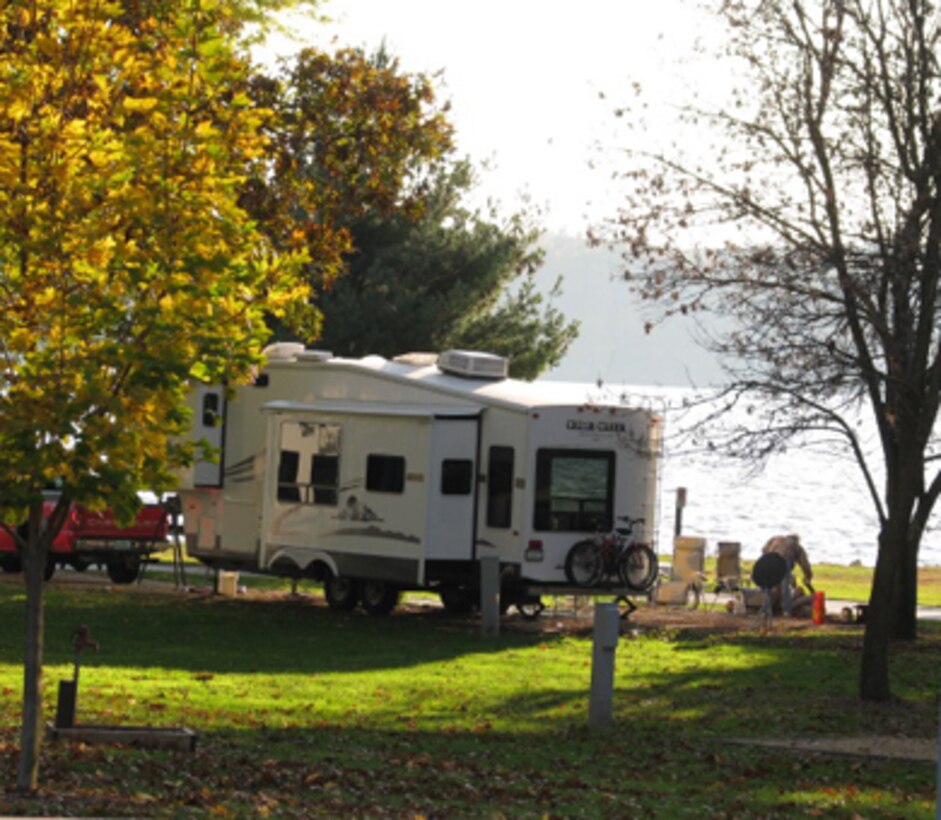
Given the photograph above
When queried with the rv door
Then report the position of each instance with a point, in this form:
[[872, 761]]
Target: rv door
[[209, 426], [452, 490]]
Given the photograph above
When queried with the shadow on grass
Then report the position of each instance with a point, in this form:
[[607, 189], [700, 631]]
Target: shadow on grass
[[745, 685], [242, 636], [740, 685]]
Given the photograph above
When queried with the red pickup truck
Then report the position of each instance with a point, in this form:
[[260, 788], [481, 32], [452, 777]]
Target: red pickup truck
[[89, 537]]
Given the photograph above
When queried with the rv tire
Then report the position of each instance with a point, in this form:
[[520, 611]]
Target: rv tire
[[458, 599], [341, 592], [378, 597]]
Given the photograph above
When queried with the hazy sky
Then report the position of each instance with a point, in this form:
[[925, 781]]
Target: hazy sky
[[524, 79]]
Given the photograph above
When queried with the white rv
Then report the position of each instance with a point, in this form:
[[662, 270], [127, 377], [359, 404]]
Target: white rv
[[377, 476]]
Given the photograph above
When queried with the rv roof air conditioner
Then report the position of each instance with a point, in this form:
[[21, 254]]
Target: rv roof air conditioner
[[472, 365]]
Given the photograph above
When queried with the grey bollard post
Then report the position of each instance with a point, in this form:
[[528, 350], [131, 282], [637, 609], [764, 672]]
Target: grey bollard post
[[607, 632], [490, 595]]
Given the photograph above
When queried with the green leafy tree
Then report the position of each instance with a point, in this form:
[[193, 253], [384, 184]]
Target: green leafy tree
[[444, 277], [826, 185], [126, 265], [362, 168], [348, 134]]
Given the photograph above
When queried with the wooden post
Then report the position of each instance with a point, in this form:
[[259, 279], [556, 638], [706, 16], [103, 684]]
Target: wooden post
[[680, 504]]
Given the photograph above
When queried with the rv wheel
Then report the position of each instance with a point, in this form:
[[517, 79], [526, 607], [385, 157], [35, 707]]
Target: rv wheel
[[341, 592], [379, 598]]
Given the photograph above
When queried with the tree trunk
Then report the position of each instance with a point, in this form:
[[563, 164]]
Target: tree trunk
[[34, 564], [905, 606], [874, 669]]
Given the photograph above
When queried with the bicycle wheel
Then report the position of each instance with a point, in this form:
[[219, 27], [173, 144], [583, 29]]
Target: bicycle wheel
[[584, 565], [638, 567]]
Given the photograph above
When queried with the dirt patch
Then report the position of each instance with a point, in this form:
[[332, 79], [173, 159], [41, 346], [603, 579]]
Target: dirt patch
[[572, 616], [568, 615]]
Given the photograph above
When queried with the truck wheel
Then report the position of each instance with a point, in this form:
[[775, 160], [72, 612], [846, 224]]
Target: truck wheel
[[458, 599], [341, 592], [379, 598], [11, 563], [124, 570]]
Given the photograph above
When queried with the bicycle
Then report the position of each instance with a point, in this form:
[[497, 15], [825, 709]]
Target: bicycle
[[611, 555]]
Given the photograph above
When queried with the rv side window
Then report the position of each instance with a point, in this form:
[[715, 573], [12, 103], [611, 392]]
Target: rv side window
[[500, 487], [456, 476], [210, 409], [574, 490], [324, 479], [385, 474], [287, 476]]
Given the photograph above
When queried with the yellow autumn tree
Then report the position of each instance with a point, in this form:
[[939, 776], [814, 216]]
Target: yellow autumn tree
[[126, 265]]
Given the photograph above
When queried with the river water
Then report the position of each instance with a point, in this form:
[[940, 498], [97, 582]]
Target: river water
[[818, 494]]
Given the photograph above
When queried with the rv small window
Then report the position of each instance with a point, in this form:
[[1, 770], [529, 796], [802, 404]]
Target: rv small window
[[210, 409], [500, 487], [287, 477], [325, 479], [456, 476], [574, 490], [385, 474]]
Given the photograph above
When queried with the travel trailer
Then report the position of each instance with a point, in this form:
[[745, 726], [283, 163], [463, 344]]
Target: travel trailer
[[377, 476]]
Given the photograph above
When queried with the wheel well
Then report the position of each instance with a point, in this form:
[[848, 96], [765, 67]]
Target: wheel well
[[286, 567], [295, 563], [318, 570]]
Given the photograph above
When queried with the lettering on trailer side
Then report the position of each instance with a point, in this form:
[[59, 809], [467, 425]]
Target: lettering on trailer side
[[587, 426]]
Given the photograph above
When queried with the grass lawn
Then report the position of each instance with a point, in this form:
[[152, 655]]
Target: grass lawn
[[849, 583], [302, 711]]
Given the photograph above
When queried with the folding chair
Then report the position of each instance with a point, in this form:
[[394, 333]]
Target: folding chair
[[687, 574], [729, 567]]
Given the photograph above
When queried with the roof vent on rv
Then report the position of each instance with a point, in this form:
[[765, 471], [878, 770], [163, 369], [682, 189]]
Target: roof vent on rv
[[282, 351], [417, 359], [473, 365]]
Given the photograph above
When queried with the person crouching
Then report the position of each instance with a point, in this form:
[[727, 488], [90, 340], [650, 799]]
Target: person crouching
[[790, 549]]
